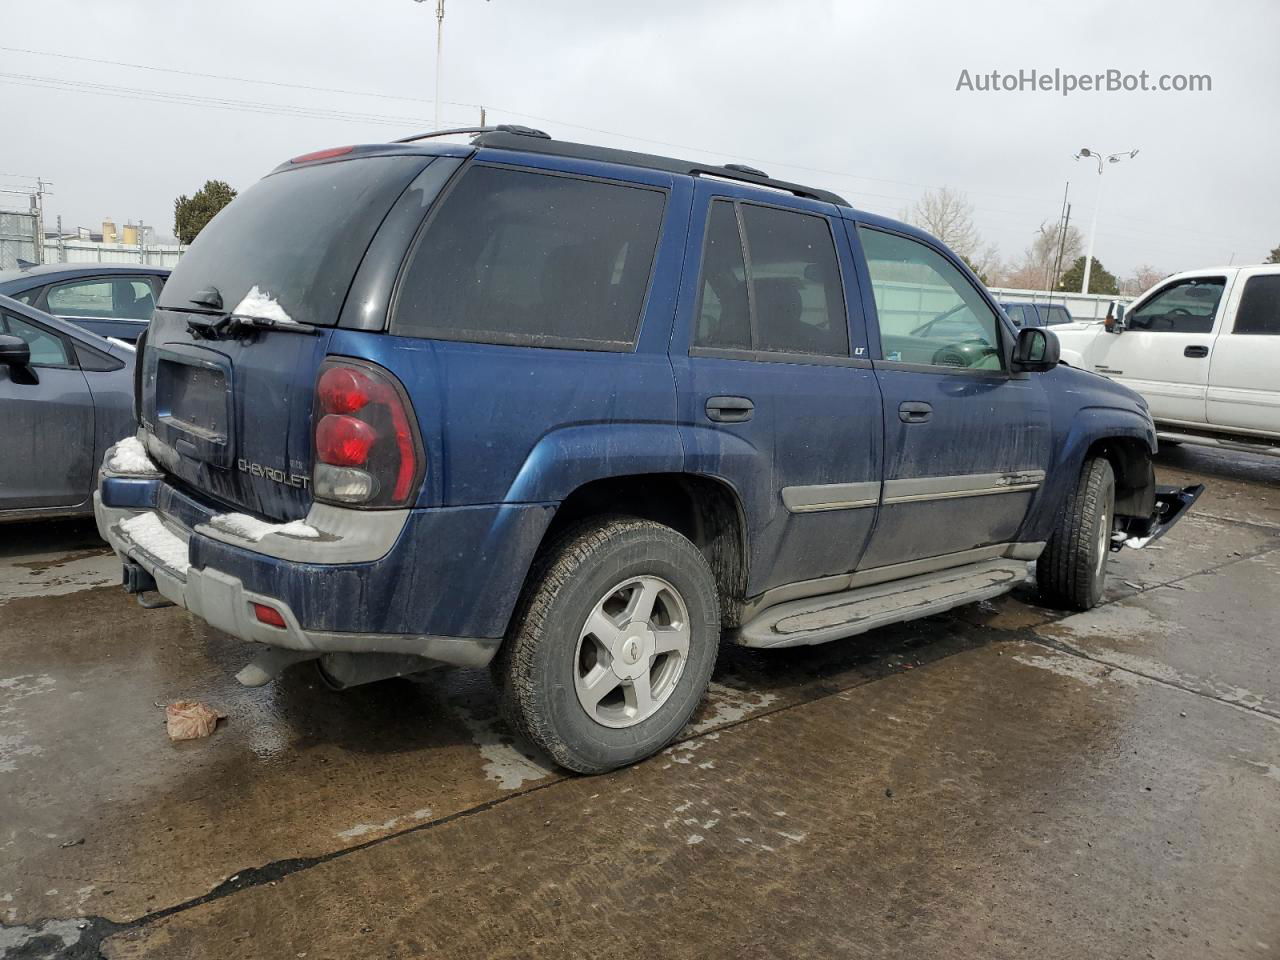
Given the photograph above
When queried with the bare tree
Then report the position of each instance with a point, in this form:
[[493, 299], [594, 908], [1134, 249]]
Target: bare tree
[[1145, 277], [948, 215], [1035, 270]]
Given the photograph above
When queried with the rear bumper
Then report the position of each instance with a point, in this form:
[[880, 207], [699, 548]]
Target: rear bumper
[[330, 602], [1172, 504]]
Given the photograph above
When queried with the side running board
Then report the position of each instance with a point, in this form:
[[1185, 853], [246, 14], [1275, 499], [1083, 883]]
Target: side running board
[[845, 614]]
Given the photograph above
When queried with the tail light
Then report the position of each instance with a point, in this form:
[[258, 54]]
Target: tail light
[[367, 449]]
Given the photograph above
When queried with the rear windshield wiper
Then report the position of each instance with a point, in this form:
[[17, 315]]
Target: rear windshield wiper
[[232, 324]]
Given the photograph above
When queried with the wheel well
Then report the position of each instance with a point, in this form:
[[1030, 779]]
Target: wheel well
[[706, 511], [1135, 476]]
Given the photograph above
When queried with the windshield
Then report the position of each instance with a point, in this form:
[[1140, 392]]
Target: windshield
[[297, 236]]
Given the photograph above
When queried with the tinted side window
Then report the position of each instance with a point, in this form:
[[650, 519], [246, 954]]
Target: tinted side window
[[795, 282], [530, 258], [929, 313], [724, 308], [47, 349], [1056, 315], [1259, 311], [1187, 306], [1018, 314]]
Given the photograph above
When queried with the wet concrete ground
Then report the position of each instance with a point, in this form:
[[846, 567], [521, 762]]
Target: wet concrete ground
[[999, 781]]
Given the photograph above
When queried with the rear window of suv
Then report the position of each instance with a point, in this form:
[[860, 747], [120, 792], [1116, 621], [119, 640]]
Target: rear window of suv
[[297, 235], [539, 259]]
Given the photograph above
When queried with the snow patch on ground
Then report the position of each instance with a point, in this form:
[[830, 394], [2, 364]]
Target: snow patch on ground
[[1077, 668], [729, 706], [251, 528], [148, 532], [16, 937], [261, 305], [1269, 770], [129, 456], [362, 829], [503, 763]]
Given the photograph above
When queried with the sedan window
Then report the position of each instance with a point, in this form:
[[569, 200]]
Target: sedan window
[[47, 350], [121, 298]]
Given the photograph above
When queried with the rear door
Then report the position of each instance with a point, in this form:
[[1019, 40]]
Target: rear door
[[775, 393], [48, 425], [1244, 372], [966, 443], [1165, 351]]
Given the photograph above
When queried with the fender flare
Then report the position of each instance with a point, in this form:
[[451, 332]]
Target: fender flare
[[568, 457]]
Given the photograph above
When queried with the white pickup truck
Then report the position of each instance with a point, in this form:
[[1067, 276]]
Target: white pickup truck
[[1203, 348]]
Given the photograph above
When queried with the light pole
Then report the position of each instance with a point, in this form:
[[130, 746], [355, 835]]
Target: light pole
[[1093, 228], [439, 48]]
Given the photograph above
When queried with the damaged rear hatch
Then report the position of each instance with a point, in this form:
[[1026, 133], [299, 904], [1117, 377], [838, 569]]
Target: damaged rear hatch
[[230, 360]]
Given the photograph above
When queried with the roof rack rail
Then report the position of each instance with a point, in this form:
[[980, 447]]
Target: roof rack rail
[[507, 137], [502, 127]]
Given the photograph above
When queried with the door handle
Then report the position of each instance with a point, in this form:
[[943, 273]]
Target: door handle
[[914, 411], [1199, 350], [729, 409]]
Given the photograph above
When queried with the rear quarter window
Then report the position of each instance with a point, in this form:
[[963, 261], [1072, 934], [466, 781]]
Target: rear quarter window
[[538, 259]]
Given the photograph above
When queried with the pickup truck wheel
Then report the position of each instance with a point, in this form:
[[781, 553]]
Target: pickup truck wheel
[[612, 646], [1072, 570]]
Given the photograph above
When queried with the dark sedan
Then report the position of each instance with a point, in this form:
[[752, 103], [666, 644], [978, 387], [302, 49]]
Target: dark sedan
[[111, 300], [66, 396]]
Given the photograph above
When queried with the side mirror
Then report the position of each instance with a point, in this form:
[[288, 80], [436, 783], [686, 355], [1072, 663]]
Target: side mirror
[[14, 351], [1114, 322], [1036, 350]]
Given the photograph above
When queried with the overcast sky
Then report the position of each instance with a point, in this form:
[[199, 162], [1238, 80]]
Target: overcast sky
[[857, 97]]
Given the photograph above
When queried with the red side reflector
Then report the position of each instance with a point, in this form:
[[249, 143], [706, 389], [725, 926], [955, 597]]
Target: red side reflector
[[322, 154], [268, 615]]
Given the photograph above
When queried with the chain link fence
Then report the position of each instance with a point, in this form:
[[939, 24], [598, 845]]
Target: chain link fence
[[19, 238]]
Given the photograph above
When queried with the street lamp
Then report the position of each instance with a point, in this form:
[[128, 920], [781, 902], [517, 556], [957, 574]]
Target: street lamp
[[1088, 154]]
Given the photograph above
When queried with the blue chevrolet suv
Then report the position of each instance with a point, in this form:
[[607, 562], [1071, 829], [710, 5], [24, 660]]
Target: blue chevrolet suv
[[578, 413]]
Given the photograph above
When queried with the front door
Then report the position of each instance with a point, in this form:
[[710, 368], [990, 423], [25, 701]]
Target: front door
[[966, 443], [47, 429], [1166, 349], [775, 394]]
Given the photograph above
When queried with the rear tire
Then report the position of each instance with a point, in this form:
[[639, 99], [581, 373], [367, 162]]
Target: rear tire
[[1072, 571], [612, 646]]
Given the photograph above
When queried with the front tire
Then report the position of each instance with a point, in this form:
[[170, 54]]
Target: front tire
[[1072, 571], [612, 646]]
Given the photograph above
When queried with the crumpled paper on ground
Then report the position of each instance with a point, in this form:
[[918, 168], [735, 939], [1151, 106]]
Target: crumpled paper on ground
[[190, 719]]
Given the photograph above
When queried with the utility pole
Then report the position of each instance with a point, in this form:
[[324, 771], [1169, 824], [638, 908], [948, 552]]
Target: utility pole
[[62, 249], [482, 115], [439, 51], [1062, 245], [1086, 153], [1059, 234]]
